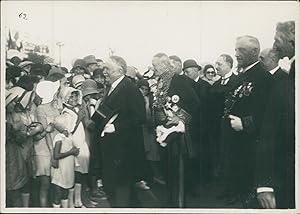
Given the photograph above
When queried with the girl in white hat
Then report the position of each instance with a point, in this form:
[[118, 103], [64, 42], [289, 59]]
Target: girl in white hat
[[47, 111], [73, 116]]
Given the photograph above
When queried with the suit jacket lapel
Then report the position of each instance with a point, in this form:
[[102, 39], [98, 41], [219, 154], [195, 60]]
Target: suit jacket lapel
[[116, 90], [238, 80], [243, 76]]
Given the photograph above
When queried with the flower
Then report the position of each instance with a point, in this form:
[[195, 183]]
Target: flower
[[175, 108], [175, 98]]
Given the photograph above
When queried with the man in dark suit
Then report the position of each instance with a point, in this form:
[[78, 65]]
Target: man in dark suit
[[275, 168], [199, 125], [221, 149], [269, 59], [244, 108], [180, 147], [122, 139]]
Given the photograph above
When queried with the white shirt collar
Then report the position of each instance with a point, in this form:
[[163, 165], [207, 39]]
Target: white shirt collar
[[250, 66], [197, 79], [117, 82], [227, 75], [292, 59], [274, 70]]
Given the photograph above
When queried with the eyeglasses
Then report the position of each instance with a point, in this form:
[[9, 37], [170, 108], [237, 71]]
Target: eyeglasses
[[210, 72]]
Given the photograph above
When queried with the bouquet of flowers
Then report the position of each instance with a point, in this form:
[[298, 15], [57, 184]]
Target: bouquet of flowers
[[243, 90]]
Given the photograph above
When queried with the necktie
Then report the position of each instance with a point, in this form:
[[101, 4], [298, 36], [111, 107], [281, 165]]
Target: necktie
[[223, 81], [110, 90]]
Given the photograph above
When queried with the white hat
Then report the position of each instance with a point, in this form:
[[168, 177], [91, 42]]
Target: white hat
[[66, 93], [25, 63], [11, 53], [16, 93], [46, 90]]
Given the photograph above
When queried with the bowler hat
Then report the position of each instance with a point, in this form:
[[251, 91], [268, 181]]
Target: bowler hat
[[89, 86], [190, 63], [79, 63], [90, 59]]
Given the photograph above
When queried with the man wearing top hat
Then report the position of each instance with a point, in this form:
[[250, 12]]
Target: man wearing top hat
[[175, 103], [123, 113]]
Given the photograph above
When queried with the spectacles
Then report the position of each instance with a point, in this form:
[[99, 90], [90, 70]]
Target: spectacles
[[210, 72]]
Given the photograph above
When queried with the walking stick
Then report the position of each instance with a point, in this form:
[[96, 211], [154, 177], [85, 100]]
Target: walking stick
[[181, 172]]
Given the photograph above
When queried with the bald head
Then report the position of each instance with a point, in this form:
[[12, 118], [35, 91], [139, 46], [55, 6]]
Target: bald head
[[247, 50], [161, 63], [269, 58]]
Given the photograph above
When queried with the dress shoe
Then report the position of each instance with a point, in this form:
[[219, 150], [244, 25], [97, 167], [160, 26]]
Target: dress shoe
[[159, 180], [232, 200], [98, 194], [142, 185]]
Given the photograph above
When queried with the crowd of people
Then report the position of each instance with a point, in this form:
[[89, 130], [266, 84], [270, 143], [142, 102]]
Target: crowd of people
[[103, 129]]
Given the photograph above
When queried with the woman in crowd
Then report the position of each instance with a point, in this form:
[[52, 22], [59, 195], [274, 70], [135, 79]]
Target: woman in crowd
[[210, 74], [21, 127], [151, 146]]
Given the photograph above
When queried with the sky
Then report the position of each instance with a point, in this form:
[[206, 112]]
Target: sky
[[138, 30]]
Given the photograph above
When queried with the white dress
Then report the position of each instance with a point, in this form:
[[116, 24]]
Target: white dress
[[79, 141], [64, 175]]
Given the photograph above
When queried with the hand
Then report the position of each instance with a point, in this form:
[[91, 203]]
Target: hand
[[50, 128], [66, 133], [35, 128], [74, 151], [266, 200], [109, 128], [236, 123], [54, 163], [173, 120]]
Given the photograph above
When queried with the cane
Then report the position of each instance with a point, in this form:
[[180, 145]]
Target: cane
[[181, 173]]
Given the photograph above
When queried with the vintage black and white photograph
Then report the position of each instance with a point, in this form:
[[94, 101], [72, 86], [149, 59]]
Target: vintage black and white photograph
[[129, 105]]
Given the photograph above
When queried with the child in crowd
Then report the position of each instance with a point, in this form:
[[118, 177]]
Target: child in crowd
[[91, 93], [47, 111], [63, 175], [73, 115]]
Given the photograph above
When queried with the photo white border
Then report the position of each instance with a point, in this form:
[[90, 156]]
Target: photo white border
[[140, 210]]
